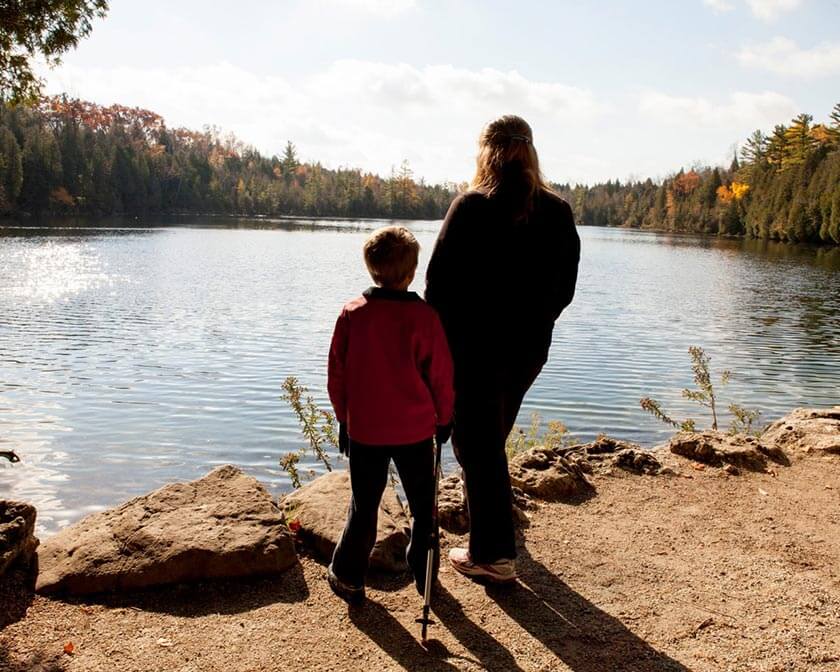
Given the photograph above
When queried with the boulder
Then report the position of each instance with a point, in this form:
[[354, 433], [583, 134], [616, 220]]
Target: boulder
[[806, 430], [452, 507], [17, 534], [605, 452], [222, 525], [717, 448], [453, 514], [320, 509], [546, 473]]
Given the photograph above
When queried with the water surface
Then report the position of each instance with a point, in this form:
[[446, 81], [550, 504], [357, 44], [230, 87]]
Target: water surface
[[131, 356]]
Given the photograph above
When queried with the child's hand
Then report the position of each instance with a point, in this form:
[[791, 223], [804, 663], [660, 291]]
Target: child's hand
[[443, 433], [343, 440]]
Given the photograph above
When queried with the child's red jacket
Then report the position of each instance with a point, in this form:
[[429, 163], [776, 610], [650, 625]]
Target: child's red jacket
[[390, 370]]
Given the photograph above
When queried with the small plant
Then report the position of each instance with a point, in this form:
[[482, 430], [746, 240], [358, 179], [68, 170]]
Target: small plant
[[742, 419], [317, 425], [705, 395], [556, 435]]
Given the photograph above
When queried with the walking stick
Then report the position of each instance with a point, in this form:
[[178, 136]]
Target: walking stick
[[425, 621]]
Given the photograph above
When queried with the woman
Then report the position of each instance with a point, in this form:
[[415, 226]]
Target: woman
[[503, 268]]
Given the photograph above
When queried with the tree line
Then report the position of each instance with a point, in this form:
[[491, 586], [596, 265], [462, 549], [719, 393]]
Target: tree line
[[66, 156], [785, 186]]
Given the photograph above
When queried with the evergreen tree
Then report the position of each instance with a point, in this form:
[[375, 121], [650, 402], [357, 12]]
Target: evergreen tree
[[11, 169], [799, 142], [755, 148]]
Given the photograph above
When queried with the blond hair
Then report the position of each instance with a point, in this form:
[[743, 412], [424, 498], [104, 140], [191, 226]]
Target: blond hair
[[507, 162], [391, 255]]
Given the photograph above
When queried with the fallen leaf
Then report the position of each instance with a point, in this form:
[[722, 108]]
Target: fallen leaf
[[763, 493], [69, 648], [699, 467], [165, 642]]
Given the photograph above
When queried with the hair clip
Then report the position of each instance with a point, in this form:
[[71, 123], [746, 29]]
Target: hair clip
[[522, 138]]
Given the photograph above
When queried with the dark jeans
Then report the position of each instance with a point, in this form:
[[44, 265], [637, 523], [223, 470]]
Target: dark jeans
[[368, 478], [484, 416]]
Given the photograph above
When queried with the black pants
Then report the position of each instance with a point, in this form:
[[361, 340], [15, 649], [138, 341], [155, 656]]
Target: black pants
[[484, 416], [368, 478]]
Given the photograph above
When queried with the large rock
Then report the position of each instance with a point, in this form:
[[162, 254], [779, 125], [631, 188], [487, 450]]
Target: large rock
[[806, 430], [605, 453], [17, 534], [222, 525], [546, 473], [320, 508], [452, 508], [717, 449]]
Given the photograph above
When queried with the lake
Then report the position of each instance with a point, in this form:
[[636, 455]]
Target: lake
[[134, 355]]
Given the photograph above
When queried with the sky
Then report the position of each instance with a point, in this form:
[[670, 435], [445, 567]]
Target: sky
[[613, 90]]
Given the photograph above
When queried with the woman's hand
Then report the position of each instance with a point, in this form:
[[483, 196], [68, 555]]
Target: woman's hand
[[442, 433]]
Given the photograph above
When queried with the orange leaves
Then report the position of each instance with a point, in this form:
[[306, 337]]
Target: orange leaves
[[734, 192], [686, 183], [69, 648], [294, 526], [62, 196]]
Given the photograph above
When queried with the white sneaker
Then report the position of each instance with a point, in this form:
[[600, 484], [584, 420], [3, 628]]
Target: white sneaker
[[501, 571]]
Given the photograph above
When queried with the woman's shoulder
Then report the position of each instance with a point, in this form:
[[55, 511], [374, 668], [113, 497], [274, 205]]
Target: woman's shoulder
[[552, 201], [469, 198]]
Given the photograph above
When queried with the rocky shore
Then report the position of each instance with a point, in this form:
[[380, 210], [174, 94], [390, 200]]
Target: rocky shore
[[712, 552]]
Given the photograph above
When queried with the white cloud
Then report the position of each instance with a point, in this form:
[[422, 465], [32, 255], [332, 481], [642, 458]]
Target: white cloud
[[379, 7], [769, 10], [740, 113], [719, 6], [782, 56], [357, 113]]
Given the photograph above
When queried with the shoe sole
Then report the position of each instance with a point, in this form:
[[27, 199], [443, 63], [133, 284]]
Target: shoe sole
[[349, 596], [480, 576]]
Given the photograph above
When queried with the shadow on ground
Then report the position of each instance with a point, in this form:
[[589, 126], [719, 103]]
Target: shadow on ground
[[397, 642], [582, 636], [16, 594], [34, 662], [211, 597]]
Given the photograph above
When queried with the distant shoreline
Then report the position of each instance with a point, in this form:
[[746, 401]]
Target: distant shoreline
[[130, 222]]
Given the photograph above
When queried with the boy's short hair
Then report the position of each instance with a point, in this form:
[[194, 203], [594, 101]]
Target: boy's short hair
[[391, 255]]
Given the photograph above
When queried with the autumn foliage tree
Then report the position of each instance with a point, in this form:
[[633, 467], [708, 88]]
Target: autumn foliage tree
[[39, 28], [67, 156], [786, 187]]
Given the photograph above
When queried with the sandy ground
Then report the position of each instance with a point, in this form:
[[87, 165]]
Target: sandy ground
[[701, 571]]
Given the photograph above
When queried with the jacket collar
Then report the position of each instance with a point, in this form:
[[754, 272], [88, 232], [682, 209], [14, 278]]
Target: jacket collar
[[391, 294]]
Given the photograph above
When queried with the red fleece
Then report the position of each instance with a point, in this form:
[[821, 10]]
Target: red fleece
[[390, 371]]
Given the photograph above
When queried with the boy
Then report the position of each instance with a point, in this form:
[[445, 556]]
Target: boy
[[390, 382]]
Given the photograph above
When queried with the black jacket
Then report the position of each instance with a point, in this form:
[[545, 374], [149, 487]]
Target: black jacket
[[499, 284]]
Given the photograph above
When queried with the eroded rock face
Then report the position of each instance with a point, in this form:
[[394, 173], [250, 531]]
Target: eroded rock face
[[320, 507], [606, 452], [545, 473], [222, 525], [452, 509], [806, 430], [717, 448], [17, 534]]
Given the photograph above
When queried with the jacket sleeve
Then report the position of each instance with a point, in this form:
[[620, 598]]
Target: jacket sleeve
[[336, 380], [562, 283], [441, 273], [439, 372]]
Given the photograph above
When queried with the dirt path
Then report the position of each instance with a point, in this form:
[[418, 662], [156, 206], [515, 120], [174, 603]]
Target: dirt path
[[697, 572]]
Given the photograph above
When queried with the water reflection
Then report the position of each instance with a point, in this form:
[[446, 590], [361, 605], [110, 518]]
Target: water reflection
[[135, 355]]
